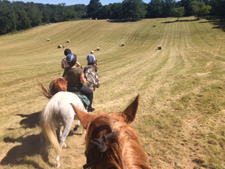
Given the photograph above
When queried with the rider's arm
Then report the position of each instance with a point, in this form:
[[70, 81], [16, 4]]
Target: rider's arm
[[83, 78]]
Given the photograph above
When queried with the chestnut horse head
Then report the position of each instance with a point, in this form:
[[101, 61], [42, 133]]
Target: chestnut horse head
[[111, 142]]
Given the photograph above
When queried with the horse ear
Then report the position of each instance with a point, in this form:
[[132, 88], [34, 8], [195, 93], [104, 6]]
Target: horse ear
[[131, 110], [83, 116]]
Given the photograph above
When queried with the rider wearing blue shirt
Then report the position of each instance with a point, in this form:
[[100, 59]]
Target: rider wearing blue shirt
[[92, 61], [91, 58]]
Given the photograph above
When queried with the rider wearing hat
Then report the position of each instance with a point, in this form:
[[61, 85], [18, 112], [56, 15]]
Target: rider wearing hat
[[76, 80], [91, 60]]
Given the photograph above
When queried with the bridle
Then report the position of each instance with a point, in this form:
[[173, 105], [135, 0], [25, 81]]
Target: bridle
[[99, 145]]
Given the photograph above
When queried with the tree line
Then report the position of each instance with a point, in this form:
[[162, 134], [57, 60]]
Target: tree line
[[15, 16]]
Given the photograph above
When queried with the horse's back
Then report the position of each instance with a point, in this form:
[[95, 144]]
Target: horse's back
[[64, 99]]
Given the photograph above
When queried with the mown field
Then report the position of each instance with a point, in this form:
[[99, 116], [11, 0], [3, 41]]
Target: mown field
[[181, 116]]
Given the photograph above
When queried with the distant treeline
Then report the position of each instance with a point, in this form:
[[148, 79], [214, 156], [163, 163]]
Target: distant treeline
[[16, 16]]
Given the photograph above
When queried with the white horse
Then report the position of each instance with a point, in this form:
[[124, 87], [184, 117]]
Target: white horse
[[92, 77], [57, 112]]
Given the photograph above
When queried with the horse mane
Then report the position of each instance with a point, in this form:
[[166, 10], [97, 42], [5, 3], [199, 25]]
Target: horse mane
[[124, 150]]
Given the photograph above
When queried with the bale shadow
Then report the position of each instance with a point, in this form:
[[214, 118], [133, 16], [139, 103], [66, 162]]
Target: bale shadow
[[30, 146]]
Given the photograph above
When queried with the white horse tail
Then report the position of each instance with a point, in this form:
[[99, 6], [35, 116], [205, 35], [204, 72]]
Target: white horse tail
[[48, 124]]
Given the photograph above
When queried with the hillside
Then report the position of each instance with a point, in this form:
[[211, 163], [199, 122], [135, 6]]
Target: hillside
[[181, 117]]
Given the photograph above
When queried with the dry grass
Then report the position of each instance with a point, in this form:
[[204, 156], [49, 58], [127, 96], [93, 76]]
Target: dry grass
[[181, 118]]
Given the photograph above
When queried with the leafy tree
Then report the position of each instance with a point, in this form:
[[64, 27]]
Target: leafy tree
[[168, 6], [133, 9], [93, 8], [178, 12], [115, 11], [102, 12], [81, 10], [7, 17], [46, 15], [23, 20], [155, 9], [200, 9], [218, 8], [187, 7], [34, 14]]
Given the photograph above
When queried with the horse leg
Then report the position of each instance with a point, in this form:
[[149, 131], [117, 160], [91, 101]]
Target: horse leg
[[57, 161], [65, 132], [77, 126], [58, 132]]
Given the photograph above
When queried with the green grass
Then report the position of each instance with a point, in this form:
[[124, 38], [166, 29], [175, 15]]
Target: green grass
[[181, 116]]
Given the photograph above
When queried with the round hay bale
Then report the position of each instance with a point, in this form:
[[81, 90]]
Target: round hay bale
[[122, 44], [159, 47], [60, 46], [90, 18], [98, 48], [96, 18], [48, 39], [154, 25], [68, 41]]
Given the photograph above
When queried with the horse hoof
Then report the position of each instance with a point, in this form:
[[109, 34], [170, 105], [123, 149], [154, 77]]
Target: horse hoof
[[57, 165], [76, 128], [64, 146]]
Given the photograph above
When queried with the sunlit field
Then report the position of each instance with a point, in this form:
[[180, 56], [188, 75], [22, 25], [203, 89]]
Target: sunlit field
[[181, 116]]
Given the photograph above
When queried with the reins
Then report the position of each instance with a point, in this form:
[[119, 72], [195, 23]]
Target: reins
[[99, 146]]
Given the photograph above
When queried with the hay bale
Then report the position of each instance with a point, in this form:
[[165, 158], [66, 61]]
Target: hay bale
[[96, 18], [60, 46], [154, 25], [48, 39], [68, 41], [159, 47], [122, 44], [90, 18], [98, 48]]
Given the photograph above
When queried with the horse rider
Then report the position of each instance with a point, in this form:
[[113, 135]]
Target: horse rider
[[76, 80], [91, 60], [64, 63]]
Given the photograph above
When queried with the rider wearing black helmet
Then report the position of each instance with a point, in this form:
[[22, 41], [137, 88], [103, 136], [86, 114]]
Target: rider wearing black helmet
[[76, 80]]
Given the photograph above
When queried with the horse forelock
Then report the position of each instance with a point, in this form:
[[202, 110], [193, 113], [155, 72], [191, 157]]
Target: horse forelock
[[124, 150]]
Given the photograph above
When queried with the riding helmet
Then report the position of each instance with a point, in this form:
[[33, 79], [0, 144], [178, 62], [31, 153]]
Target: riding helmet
[[67, 51], [71, 59]]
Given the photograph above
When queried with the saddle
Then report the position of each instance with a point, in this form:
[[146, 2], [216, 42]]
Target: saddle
[[83, 98]]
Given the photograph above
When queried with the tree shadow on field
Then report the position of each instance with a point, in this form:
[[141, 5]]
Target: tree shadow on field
[[180, 20], [30, 144], [218, 23]]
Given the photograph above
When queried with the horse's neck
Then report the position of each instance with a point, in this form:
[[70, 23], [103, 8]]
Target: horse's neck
[[131, 151]]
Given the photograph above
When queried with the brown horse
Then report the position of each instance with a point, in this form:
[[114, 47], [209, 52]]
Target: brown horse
[[111, 143]]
